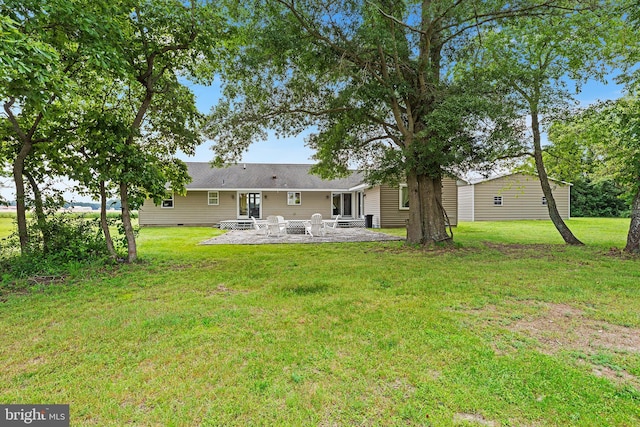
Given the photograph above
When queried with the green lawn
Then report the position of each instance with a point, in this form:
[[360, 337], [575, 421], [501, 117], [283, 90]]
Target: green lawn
[[511, 328]]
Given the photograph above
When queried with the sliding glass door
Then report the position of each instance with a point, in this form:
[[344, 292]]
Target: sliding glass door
[[341, 204], [249, 205]]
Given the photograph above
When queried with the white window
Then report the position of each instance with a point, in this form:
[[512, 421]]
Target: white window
[[497, 201], [294, 198], [404, 197], [213, 198], [544, 201], [167, 203]]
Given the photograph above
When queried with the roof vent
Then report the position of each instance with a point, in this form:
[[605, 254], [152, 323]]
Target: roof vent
[[274, 177], [244, 166]]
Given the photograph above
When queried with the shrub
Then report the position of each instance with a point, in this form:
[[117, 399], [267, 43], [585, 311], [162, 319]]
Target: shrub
[[72, 240]]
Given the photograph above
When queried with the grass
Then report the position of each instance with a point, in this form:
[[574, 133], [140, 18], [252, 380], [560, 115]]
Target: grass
[[334, 334]]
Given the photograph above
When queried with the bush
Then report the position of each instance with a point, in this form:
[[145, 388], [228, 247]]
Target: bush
[[72, 241]]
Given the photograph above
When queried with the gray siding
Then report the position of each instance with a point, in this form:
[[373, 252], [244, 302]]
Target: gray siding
[[521, 198], [465, 202], [391, 216], [450, 199]]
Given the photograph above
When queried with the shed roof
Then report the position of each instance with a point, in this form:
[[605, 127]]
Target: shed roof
[[504, 175], [264, 176]]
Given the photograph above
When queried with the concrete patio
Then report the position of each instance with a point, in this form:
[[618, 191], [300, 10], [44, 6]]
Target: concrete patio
[[341, 235]]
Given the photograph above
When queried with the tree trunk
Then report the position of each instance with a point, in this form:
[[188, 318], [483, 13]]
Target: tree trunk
[[39, 211], [18, 168], [21, 207], [633, 237], [104, 223], [132, 251], [557, 220], [427, 225]]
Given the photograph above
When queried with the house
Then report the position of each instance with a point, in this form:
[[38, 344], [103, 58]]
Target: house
[[510, 197], [242, 191], [390, 205]]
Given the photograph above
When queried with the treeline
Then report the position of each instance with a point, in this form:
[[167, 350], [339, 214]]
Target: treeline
[[111, 205]]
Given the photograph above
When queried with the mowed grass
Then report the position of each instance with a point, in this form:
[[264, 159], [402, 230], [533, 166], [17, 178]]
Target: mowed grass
[[337, 334]]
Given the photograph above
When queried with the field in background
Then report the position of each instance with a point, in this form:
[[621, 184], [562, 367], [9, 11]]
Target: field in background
[[510, 328]]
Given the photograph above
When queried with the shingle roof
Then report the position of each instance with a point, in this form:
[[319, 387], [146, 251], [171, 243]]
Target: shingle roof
[[262, 176]]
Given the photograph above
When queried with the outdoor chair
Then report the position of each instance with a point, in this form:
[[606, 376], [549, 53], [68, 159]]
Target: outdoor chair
[[260, 229], [314, 227], [332, 225], [276, 225]]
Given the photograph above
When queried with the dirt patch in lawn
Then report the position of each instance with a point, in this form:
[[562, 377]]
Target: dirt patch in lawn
[[561, 327], [464, 418]]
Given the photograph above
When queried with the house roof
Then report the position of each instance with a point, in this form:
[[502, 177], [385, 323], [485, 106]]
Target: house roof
[[263, 176], [503, 175]]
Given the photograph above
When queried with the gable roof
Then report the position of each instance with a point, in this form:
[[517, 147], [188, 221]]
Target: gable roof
[[504, 175], [263, 176]]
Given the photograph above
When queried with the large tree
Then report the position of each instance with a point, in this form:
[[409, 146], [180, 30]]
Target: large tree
[[544, 61], [377, 80]]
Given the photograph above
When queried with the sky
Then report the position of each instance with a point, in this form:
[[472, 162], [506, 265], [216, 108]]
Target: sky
[[293, 150]]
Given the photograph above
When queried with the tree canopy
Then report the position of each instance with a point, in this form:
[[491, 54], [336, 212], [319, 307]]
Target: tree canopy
[[377, 80]]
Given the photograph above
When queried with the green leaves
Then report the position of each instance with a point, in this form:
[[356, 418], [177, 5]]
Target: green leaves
[[371, 77]]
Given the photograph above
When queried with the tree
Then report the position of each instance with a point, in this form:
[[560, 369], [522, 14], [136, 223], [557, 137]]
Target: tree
[[114, 110], [376, 79], [534, 57], [166, 38], [612, 131], [47, 43], [575, 154]]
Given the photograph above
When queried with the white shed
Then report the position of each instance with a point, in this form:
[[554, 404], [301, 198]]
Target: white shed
[[510, 197]]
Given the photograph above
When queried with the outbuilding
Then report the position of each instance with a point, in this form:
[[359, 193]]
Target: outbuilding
[[510, 197]]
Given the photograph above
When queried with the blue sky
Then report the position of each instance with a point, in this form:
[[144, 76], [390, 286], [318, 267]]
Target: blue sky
[[272, 150], [293, 150]]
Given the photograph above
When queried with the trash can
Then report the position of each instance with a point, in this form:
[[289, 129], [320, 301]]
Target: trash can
[[368, 221]]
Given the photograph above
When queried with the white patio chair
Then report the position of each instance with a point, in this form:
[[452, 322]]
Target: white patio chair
[[315, 227], [282, 224], [260, 228], [331, 225], [275, 226]]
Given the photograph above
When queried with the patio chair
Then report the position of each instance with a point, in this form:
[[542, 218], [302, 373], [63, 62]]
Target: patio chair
[[260, 228], [276, 226], [331, 225], [314, 227]]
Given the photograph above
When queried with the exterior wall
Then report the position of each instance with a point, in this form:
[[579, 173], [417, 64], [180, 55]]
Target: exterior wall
[[391, 216], [275, 203], [450, 199], [465, 202], [372, 204], [192, 209], [521, 199]]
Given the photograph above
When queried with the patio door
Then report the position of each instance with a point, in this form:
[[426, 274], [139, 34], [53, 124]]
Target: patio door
[[249, 205], [341, 204]]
